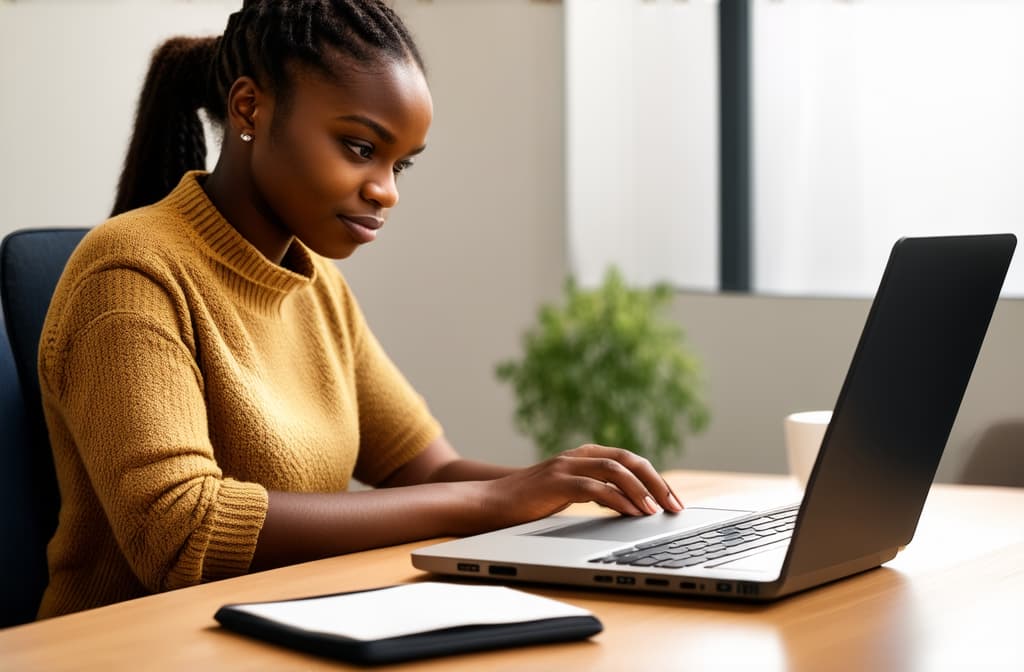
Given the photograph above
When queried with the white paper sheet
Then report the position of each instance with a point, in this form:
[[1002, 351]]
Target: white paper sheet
[[412, 608]]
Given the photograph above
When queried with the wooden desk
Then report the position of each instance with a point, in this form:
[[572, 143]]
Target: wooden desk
[[941, 604]]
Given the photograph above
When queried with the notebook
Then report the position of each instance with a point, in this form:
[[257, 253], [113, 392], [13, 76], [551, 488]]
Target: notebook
[[409, 621], [889, 426]]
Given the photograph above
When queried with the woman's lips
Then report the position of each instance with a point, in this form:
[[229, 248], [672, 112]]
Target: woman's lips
[[363, 227]]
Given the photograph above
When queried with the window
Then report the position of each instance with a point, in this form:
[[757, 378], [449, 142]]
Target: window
[[641, 117], [869, 120]]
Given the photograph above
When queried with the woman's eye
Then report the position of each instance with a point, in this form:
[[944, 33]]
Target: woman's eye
[[360, 149], [402, 166]]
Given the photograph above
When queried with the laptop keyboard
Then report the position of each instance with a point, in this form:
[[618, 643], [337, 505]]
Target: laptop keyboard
[[697, 548]]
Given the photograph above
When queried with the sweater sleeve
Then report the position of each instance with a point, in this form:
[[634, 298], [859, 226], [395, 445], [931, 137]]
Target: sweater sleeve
[[131, 396]]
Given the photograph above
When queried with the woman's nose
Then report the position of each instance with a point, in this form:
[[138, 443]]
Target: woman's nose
[[382, 190]]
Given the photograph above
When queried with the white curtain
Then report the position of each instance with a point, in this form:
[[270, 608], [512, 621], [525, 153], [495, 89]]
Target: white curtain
[[641, 108], [872, 120], [876, 119]]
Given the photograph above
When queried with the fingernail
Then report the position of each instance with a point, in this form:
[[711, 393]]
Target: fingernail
[[652, 507], [674, 502]]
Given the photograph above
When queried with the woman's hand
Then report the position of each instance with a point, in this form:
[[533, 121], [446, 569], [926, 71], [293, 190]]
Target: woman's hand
[[613, 477], [440, 494]]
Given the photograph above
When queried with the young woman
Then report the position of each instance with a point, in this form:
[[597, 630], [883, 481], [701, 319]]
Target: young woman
[[209, 381]]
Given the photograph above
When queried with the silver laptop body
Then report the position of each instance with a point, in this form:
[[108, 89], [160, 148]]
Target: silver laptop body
[[879, 455]]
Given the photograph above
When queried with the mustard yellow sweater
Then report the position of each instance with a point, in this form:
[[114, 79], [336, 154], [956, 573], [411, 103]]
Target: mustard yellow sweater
[[183, 376]]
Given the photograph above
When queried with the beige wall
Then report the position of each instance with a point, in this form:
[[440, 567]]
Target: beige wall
[[766, 357], [478, 241]]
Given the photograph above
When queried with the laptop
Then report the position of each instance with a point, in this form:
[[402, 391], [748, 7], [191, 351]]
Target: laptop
[[863, 499]]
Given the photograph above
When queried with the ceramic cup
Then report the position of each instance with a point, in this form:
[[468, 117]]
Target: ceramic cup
[[804, 432]]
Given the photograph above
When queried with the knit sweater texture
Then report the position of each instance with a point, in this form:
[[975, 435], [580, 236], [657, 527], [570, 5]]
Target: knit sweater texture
[[184, 375]]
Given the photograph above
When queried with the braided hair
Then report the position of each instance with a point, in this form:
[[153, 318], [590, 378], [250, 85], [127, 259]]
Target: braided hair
[[260, 40]]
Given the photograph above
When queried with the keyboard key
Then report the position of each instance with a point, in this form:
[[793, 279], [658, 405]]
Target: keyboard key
[[652, 544], [682, 562], [751, 545], [685, 541]]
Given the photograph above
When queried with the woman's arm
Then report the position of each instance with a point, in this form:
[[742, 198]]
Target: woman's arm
[[302, 526], [440, 494], [439, 462]]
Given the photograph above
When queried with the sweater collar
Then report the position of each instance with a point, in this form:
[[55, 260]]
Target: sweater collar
[[268, 282]]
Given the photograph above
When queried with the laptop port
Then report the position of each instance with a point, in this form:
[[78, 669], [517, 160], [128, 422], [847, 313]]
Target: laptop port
[[603, 578], [625, 580], [656, 582], [688, 585], [468, 567], [501, 570], [724, 587]]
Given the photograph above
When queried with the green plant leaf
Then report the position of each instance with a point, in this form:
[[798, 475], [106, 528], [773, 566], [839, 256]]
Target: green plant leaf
[[607, 367]]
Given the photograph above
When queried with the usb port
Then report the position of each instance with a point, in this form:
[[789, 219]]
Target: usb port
[[625, 580], [501, 570], [656, 582], [724, 587], [688, 585], [468, 567], [603, 578]]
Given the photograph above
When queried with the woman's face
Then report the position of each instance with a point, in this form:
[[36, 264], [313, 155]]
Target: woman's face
[[328, 171]]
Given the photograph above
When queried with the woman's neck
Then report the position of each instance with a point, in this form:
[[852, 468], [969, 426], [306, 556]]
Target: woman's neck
[[236, 197]]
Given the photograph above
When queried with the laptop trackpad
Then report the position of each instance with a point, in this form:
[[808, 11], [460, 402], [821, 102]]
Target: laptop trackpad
[[627, 528]]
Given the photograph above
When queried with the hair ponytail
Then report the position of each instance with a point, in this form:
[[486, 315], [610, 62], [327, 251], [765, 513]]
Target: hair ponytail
[[168, 137]]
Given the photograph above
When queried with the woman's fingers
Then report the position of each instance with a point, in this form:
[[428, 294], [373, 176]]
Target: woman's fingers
[[641, 470], [606, 481], [634, 475], [586, 489], [612, 477]]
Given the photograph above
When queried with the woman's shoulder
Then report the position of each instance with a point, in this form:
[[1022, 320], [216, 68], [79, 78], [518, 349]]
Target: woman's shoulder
[[131, 255], [152, 233], [122, 269], [132, 236]]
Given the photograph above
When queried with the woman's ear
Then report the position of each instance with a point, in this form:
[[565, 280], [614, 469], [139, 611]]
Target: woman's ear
[[245, 102]]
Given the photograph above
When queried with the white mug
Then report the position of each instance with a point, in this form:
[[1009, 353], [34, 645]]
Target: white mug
[[804, 432]]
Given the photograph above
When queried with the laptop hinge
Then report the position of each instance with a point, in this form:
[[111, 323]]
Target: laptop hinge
[[794, 584]]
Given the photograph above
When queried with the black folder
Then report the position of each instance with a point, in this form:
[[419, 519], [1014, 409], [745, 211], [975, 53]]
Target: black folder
[[423, 643]]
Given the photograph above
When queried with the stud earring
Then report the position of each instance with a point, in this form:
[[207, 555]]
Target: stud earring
[[246, 136]]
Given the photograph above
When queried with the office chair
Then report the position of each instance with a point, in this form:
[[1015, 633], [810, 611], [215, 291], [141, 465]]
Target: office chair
[[31, 262]]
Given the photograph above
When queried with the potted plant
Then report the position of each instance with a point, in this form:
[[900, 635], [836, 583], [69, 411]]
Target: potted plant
[[607, 368]]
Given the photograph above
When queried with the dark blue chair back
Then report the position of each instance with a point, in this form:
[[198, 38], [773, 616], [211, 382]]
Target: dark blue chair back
[[31, 262]]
